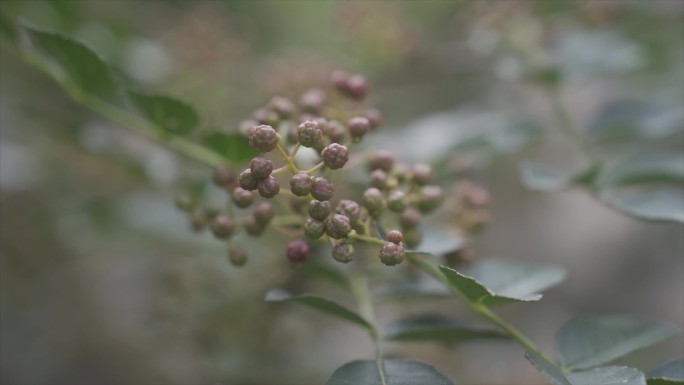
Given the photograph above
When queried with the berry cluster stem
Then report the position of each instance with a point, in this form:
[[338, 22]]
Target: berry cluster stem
[[359, 287], [289, 162]]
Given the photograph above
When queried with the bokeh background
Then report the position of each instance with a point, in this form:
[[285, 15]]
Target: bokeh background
[[103, 282]]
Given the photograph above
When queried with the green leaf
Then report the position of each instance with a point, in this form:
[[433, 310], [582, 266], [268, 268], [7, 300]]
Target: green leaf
[[173, 115], [644, 168], [231, 146], [665, 204], [589, 341], [325, 271], [669, 373], [499, 282], [77, 63], [626, 119], [476, 292], [398, 372], [436, 328], [439, 242], [516, 280], [323, 304], [552, 373], [543, 178], [608, 375]]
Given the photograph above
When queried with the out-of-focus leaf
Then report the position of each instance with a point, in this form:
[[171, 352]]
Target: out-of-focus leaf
[[78, 64], [634, 119], [669, 373], [398, 372], [589, 341], [664, 204], [319, 303], [543, 178], [417, 289], [231, 146], [329, 273], [437, 241], [644, 168], [434, 137], [173, 115], [552, 373], [8, 28], [436, 328], [608, 375], [516, 280]]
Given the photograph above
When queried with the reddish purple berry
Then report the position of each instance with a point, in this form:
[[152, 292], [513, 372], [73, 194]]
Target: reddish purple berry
[[338, 226], [261, 167], [322, 189], [395, 236], [358, 127], [392, 254], [269, 187], [310, 133], [263, 138], [335, 156], [224, 176], [319, 210], [298, 251], [222, 226]]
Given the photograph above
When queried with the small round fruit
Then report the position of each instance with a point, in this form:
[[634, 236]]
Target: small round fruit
[[392, 254], [269, 187], [338, 226], [301, 184], [322, 189], [343, 252], [319, 210], [222, 226], [261, 167], [263, 138], [298, 251], [335, 156], [395, 236]]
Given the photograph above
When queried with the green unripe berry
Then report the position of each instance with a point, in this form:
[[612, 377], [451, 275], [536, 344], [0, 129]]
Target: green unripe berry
[[222, 226], [269, 187], [381, 160], [374, 117], [343, 252], [430, 198], [410, 218], [373, 201], [297, 251], [378, 179], [301, 184], [395, 236], [263, 138], [421, 174], [248, 181], [338, 226], [243, 198], [413, 237], [261, 167], [336, 131], [392, 254], [358, 127], [335, 156], [319, 210], [310, 133], [264, 213], [237, 255], [312, 100], [282, 106], [252, 226], [313, 229], [350, 209], [322, 189], [397, 201], [224, 176]]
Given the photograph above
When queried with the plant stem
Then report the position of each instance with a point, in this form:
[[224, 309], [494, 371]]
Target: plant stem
[[365, 238], [315, 168], [482, 310], [359, 286], [286, 157]]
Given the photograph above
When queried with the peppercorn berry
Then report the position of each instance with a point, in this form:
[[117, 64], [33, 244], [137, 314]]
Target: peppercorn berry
[[298, 251], [313, 229], [269, 187], [322, 189], [319, 210], [264, 213], [261, 167], [300, 184], [335, 156], [224, 176], [381, 160], [373, 201], [395, 236], [397, 201], [392, 254], [358, 127], [243, 198], [309, 133], [263, 138], [410, 218], [421, 174], [248, 181], [338, 226], [343, 252], [350, 209], [222, 226], [237, 255]]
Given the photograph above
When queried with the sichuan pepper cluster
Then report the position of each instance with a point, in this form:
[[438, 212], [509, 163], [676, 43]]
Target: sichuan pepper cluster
[[328, 121]]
